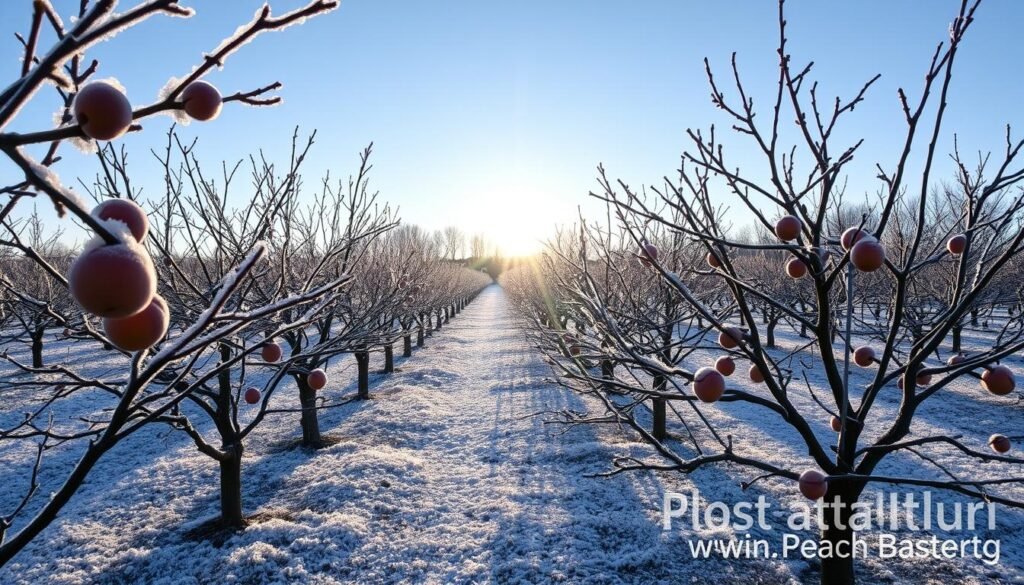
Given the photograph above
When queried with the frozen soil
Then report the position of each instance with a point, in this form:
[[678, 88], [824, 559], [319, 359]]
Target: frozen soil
[[453, 472]]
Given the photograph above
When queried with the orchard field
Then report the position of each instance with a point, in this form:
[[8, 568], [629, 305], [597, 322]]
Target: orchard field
[[775, 364]]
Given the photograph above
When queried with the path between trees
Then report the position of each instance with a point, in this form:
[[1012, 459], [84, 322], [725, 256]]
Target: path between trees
[[449, 474]]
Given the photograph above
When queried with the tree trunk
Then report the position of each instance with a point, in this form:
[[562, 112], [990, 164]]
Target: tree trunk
[[658, 410], [837, 569], [770, 333], [607, 369], [363, 361], [439, 322], [37, 347], [447, 314], [231, 488], [308, 418], [957, 331], [974, 317], [419, 337], [389, 359], [658, 427], [407, 346]]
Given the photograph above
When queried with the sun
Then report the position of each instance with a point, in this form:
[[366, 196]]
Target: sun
[[515, 221]]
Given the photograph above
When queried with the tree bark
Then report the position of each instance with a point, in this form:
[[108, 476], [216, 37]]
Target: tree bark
[[837, 568], [37, 347], [308, 418], [770, 332], [419, 337], [231, 488], [407, 346], [389, 358], [658, 410], [363, 361]]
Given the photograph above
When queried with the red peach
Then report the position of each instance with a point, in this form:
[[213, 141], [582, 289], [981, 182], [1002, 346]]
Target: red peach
[[725, 365], [796, 268], [867, 255], [730, 337], [708, 385], [713, 260], [648, 253], [755, 373], [127, 212], [271, 352], [957, 244], [852, 236], [836, 423], [788, 228], [252, 395], [316, 379], [999, 443], [113, 281], [141, 330], [103, 112], [202, 101], [864, 356], [924, 379], [813, 484], [998, 380]]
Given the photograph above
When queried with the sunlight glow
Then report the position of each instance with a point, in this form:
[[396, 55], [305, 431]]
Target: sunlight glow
[[515, 219]]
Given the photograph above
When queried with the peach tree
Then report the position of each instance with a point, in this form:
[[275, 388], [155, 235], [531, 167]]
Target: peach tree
[[113, 280]]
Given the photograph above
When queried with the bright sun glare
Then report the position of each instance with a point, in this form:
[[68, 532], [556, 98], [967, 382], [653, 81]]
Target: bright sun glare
[[515, 220]]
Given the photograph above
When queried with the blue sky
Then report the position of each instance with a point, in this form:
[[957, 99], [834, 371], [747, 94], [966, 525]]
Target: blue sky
[[493, 115]]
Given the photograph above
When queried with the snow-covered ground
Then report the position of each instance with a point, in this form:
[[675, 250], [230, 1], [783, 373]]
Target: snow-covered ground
[[449, 474]]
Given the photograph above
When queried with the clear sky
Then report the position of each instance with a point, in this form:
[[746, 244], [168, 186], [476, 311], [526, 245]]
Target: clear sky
[[493, 115]]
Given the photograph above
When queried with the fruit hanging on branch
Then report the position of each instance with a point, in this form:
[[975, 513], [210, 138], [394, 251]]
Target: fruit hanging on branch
[[202, 101], [142, 330], [796, 268], [114, 281], [103, 112], [713, 260], [867, 255], [725, 365], [853, 235], [316, 379], [252, 395], [864, 356], [271, 352], [999, 443], [998, 380], [756, 375], [788, 228], [730, 337], [836, 423], [127, 212], [813, 484], [648, 254], [708, 385], [957, 244]]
